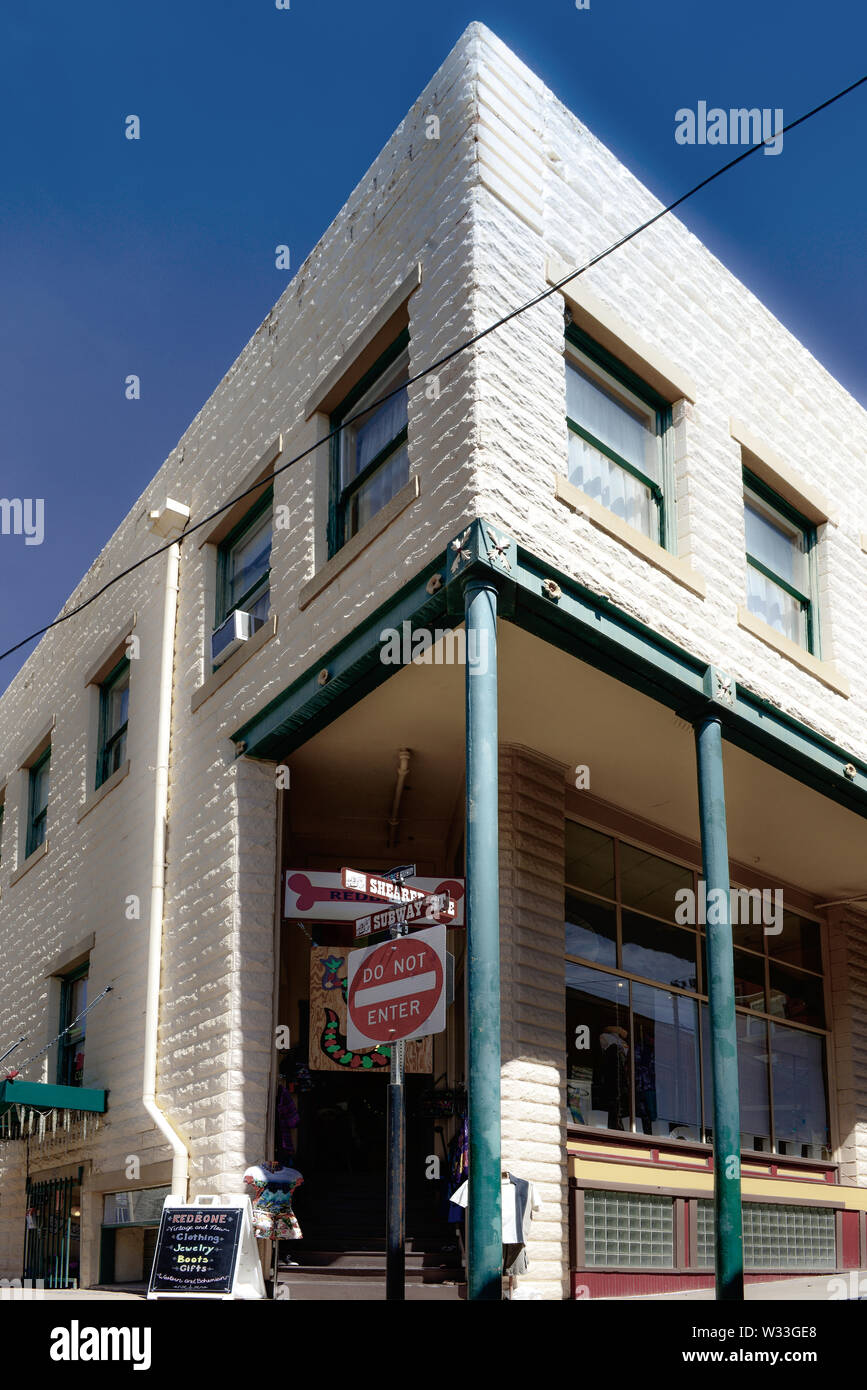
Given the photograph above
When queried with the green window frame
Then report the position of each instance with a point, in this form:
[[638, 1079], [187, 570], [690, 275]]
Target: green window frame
[[633, 395], [347, 492], [37, 803], [113, 721], [250, 593], [70, 1072], [764, 502]]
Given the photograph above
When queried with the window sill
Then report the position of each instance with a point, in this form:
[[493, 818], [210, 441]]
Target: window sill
[[108, 785], [360, 541], [31, 859], [235, 661], [825, 671], [636, 541]]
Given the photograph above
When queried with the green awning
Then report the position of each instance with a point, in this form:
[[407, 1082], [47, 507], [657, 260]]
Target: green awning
[[38, 1095]]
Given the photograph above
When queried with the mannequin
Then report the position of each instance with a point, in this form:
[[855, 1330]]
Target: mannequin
[[270, 1186]]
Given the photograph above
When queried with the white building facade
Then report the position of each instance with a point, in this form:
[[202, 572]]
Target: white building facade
[[667, 496]]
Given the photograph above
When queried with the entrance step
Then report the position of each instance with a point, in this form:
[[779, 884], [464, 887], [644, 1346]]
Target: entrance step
[[305, 1289], [421, 1266]]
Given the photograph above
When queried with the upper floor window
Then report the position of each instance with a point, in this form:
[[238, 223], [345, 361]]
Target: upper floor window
[[616, 429], [113, 720], [370, 459], [779, 543], [244, 566], [37, 804], [70, 1053]]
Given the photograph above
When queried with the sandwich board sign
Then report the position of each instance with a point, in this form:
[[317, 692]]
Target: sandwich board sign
[[206, 1250], [397, 990]]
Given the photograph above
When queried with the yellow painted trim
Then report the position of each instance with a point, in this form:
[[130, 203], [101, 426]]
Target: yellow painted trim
[[754, 1184]]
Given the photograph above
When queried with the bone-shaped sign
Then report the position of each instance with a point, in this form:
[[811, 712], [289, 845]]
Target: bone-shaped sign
[[313, 893]]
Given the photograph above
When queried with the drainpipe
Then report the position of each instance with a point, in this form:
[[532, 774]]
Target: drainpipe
[[168, 520], [403, 758], [484, 1209]]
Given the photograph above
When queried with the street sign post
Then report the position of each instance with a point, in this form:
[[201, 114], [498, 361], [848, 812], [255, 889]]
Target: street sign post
[[397, 991]]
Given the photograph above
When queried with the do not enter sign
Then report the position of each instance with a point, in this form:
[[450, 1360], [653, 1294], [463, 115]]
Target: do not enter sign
[[396, 991]]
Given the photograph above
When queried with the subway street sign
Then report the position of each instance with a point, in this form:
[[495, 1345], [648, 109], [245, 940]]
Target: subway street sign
[[437, 905], [397, 991]]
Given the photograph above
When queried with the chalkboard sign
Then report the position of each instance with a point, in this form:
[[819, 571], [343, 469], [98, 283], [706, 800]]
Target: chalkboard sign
[[197, 1249]]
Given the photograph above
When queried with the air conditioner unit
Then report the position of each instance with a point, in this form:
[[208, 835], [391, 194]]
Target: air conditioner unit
[[229, 636]]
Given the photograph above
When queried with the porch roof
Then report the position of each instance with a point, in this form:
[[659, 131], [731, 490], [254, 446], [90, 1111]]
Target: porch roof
[[556, 608]]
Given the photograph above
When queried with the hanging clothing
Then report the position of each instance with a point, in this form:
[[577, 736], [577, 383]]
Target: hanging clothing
[[270, 1186], [287, 1122], [459, 1165], [520, 1202]]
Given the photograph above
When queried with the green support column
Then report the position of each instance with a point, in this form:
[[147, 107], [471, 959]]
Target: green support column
[[728, 1239], [484, 1215]]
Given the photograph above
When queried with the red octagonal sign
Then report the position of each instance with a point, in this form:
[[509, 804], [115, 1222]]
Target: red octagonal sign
[[397, 990]]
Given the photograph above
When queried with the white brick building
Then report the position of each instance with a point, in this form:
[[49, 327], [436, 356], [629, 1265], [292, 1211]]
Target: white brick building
[[628, 610]]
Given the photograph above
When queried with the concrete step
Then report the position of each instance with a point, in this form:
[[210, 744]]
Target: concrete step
[[306, 1289], [333, 1261]]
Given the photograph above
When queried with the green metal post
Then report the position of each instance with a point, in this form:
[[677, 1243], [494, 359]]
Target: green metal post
[[728, 1239], [484, 1213]]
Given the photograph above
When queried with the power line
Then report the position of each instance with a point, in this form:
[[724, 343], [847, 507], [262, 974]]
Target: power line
[[441, 362], [61, 1034]]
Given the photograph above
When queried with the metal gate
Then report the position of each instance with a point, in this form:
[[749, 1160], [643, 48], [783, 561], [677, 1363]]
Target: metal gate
[[52, 1232]]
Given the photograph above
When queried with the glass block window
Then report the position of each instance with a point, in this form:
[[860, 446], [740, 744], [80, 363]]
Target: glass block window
[[775, 1237], [628, 1228]]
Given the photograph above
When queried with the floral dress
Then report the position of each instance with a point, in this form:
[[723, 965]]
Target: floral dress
[[270, 1189]]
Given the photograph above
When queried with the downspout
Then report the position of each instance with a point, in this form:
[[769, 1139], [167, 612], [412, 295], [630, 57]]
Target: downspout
[[403, 758], [169, 519]]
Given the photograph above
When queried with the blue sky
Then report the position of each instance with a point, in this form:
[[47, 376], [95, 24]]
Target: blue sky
[[156, 257]]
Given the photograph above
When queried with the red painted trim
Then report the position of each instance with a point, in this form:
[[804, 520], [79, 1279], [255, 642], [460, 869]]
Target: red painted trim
[[849, 1247], [624, 1159], [595, 1283]]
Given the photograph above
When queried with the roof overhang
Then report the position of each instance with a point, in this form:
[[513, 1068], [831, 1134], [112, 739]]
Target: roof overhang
[[542, 600]]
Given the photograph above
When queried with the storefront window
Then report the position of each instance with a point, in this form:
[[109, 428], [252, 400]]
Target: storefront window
[[142, 1206], [657, 952], [650, 883], [799, 943], [597, 1030], [796, 996], [800, 1112], [589, 859], [666, 1053], [638, 1053], [591, 930]]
